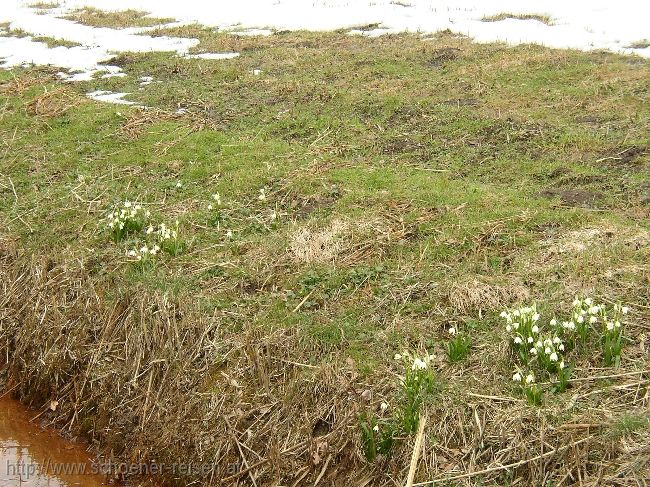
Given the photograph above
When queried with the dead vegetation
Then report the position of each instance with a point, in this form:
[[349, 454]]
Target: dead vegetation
[[53, 103], [187, 388]]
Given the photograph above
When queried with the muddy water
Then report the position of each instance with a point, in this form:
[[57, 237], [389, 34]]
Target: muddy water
[[33, 457]]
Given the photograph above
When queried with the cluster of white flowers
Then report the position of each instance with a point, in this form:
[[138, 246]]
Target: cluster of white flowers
[[124, 215], [416, 362], [216, 197], [523, 378], [163, 232], [550, 353], [143, 253], [521, 324]]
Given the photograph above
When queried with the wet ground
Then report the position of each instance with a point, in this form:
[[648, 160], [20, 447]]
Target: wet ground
[[33, 457]]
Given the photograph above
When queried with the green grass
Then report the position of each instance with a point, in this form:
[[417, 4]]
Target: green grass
[[444, 174]]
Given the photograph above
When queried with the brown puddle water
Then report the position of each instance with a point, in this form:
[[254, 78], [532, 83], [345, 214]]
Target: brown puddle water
[[33, 457]]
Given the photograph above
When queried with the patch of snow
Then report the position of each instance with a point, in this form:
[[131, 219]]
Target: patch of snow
[[597, 24], [109, 97]]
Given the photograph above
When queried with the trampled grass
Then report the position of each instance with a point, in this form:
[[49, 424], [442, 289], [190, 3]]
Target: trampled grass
[[372, 194]]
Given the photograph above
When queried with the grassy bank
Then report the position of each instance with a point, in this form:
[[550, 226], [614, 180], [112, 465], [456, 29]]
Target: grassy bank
[[354, 199]]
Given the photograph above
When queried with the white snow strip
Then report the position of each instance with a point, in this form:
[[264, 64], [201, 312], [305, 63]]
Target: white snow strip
[[109, 97], [596, 24]]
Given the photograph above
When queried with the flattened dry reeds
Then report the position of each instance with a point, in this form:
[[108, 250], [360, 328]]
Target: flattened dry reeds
[[148, 378]]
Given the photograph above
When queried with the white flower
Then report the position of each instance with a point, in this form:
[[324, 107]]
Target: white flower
[[516, 377], [530, 378], [419, 364], [452, 331], [553, 322], [516, 313], [144, 250], [397, 356], [262, 195], [562, 364], [594, 310], [503, 314], [617, 324], [217, 197], [556, 340], [229, 234], [536, 317], [132, 253], [561, 347], [274, 215], [179, 184], [577, 302], [533, 351], [530, 340], [553, 357], [589, 301], [593, 320], [376, 428], [547, 350], [539, 344], [150, 229], [508, 328], [210, 207], [127, 204], [383, 406], [515, 326], [610, 326], [625, 310], [580, 319], [518, 340], [535, 329]]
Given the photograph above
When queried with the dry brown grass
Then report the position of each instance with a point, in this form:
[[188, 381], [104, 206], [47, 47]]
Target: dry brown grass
[[147, 378], [53, 103]]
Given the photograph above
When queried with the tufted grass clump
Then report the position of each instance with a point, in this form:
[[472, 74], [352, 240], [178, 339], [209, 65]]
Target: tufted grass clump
[[126, 218], [458, 345]]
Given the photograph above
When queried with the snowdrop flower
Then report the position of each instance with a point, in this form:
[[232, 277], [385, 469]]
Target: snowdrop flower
[[535, 329], [274, 215], [577, 302], [131, 253], [617, 324], [515, 326], [610, 326], [553, 357], [533, 351], [556, 340], [580, 319], [553, 322], [150, 230], [127, 204], [229, 234], [217, 198], [452, 331], [588, 301], [593, 320], [530, 340], [210, 207], [516, 313], [376, 428], [383, 406], [508, 328], [625, 310], [418, 364], [516, 377], [562, 364], [397, 356], [518, 340], [561, 347], [536, 317], [547, 351], [504, 314], [530, 378], [594, 310], [539, 344], [179, 184], [262, 195]]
